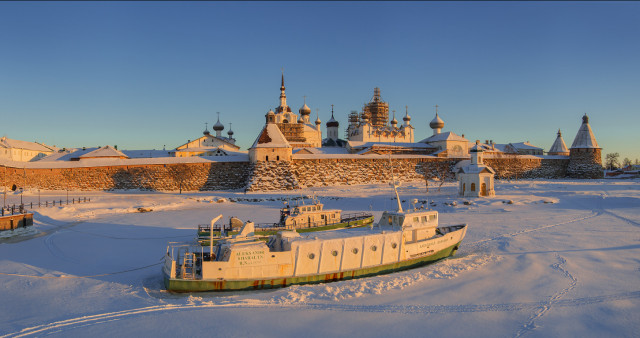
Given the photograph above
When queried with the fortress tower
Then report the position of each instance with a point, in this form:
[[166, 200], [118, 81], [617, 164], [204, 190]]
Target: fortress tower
[[585, 157]]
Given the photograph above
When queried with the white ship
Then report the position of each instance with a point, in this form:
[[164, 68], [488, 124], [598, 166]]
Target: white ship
[[401, 240]]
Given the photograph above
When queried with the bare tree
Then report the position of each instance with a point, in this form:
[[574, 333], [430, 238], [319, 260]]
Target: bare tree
[[436, 170], [626, 162], [611, 160]]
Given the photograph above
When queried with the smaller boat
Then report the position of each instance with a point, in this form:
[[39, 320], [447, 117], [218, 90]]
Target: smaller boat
[[301, 218]]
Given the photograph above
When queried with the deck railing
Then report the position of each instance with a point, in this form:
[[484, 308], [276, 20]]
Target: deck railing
[[348, 218]]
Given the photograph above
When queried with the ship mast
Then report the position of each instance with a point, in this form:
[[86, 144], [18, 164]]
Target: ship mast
[[211, 235], [394, 185]]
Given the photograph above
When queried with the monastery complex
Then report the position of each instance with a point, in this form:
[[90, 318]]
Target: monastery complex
[[290, 153]]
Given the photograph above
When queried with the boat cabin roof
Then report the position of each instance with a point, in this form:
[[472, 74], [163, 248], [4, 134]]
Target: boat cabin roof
[[412, 218]]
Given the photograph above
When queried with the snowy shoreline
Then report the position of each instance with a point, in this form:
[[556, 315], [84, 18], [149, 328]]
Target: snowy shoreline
[[560, 260]]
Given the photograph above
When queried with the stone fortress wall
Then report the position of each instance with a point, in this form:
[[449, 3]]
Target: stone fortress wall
[[269, 176]]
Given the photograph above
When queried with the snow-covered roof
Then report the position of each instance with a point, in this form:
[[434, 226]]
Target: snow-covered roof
[[501, 147], [339, 143], [466, 167], [67, 155], [222, 139], [524, 146], [271, 137], [487, 147], [558, 145], [356, 156], [104, 152], [360, 144], [585, 138], [446, 136], [146, 153], [26, 145]]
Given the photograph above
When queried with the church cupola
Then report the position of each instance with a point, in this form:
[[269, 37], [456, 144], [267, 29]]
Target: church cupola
[[406, 118], [305, 111], [436, 124], [332, 127], [218, 127], [394, 122], [270, 117], [318, 122], [206, 129], [230, 132]]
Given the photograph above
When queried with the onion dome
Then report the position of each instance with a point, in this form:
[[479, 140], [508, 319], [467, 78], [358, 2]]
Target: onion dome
[[318, 122], [218, 126], [394, 122], [436, 123], [305, 110], [332, 121], [206, 130], [300, 120], [406, 117], [230, 132]]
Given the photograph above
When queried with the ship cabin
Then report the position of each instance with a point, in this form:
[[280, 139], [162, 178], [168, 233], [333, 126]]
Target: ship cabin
[[417, 225], [308, 216]]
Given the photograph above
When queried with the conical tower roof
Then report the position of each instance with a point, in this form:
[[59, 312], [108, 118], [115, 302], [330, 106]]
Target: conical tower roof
[[585, 138], [559, 147]]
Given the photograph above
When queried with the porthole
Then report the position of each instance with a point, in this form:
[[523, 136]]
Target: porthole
[[394, 245], [374, 248], [354, 250], [312, 256], [334, 253]]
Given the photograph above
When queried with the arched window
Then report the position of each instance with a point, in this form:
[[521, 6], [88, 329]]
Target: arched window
[[483, 189], [266, 158], [277, 158], [473, 187], [464, 187]]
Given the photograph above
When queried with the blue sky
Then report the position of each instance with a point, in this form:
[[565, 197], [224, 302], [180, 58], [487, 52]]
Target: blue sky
[[150, 74]]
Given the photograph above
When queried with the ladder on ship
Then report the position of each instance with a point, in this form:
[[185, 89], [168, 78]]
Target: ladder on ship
[[188, 266]]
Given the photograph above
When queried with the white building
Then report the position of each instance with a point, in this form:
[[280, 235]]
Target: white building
[[23, 151], [475, 179], [209, 145], [448, 144], [271, 145]]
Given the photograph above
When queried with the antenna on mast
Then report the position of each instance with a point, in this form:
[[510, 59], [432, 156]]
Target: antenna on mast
[[395, 185]]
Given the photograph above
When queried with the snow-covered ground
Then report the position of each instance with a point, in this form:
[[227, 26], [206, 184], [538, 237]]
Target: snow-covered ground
[[563, 259]]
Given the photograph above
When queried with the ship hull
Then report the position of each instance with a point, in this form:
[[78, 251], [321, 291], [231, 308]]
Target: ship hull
[[182, 285]]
